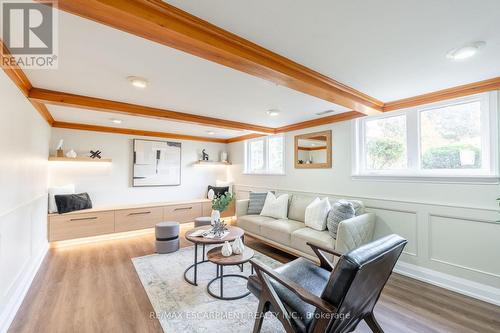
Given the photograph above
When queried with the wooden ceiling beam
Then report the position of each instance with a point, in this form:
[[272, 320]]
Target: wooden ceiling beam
[[320, 121], [117, 130], [160, 22], [104, 105], [445, 94]]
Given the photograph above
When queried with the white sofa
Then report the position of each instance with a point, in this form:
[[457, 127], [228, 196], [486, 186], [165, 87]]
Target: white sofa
[[292, 235]]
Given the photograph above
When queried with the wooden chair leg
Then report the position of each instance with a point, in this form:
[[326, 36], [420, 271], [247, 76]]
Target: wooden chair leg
[[373, 324], [259, 317]]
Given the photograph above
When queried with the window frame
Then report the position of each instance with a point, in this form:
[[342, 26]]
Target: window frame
[[265, 170], [489, 173]]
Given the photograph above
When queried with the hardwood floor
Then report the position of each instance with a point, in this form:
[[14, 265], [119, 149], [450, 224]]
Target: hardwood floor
[[94, 288]]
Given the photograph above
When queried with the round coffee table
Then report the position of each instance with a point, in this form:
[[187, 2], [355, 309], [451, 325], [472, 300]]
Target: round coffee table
[[234, 232], [215, 256]]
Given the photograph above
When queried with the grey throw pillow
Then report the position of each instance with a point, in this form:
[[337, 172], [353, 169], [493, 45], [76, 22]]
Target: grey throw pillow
[[256, 203], [342, 210]]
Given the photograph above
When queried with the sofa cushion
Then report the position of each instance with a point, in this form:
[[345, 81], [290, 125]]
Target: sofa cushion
[[274, 206], [342, 210], [256, 202], [298, 205], [280, 230], [316, 213], [300, 238], [252, 223]]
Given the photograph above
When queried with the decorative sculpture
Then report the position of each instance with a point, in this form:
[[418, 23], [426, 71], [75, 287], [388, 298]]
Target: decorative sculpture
[[204, 156], [95, 154], [238, 246], [226, 249]]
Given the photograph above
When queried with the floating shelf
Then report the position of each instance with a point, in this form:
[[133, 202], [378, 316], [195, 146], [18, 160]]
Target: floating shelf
[[212, 163], [78, 159]]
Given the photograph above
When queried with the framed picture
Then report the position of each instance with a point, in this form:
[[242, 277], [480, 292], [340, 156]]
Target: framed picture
[[156, 163]]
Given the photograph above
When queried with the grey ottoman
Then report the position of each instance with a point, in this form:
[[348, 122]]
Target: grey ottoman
[[201, 221], [167, 237]]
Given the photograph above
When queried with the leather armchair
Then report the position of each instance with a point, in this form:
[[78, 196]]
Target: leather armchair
[[308, 298]]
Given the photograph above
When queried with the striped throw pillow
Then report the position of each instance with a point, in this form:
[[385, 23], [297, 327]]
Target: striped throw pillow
[[256, 202]]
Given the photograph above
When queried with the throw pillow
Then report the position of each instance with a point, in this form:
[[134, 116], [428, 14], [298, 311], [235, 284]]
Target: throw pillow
[[316, 213], [218, 191], [221, 183], [342, 210], [275, 207], [256, 202], [70, 202], [67, 189]]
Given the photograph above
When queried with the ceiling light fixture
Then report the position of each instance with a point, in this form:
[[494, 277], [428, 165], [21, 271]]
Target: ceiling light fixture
[[465, 51], [116, 121], [210, 132], [273, 112], [138, 82], [321, 113]]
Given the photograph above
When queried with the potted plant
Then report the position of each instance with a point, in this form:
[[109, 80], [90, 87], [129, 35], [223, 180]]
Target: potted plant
[[219, 204]]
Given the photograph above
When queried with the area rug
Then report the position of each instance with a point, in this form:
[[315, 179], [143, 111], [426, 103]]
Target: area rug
[[182, 307]]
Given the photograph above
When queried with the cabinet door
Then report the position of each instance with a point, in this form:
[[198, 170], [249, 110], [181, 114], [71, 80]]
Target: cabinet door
[[140, 218], [62, 227], [182, 213]]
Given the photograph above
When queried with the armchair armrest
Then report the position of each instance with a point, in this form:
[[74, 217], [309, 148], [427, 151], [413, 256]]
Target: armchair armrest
[[324, 262], [261, 270], [242, 207], [355, 232]]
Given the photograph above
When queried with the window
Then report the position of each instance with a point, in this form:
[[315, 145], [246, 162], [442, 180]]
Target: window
[[265, 155], [452, 139]]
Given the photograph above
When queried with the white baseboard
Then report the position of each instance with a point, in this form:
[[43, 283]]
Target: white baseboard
[[462, 286], [20, 289]]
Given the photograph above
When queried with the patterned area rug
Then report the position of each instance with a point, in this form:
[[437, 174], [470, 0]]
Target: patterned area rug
[[182, 307]]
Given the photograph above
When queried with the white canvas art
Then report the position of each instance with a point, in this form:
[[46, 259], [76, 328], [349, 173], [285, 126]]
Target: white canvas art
[[156, 163]]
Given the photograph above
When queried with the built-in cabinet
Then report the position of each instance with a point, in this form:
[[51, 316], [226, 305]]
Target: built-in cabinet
[[93, 222]]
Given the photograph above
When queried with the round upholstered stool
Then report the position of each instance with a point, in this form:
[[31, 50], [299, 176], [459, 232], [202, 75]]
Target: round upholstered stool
[[167, 237], [201, 221]]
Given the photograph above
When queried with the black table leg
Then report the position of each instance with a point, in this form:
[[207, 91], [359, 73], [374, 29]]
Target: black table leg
[[194, 282], [221, 281]]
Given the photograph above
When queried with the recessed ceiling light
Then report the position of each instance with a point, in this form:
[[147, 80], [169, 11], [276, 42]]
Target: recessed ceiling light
[[138, 82], [465, 51], [273, 112], [116, 121], [210, 132], [321, 113]]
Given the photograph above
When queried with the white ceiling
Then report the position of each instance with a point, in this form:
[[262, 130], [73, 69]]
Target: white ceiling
[[81, 116], [388, 49], [94, 60]]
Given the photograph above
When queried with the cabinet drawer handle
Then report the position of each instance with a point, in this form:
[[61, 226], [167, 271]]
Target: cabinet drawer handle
[[140, 213], [84, 218], [183, 208]]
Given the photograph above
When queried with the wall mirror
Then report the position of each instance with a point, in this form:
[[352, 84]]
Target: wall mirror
[[313, 150]]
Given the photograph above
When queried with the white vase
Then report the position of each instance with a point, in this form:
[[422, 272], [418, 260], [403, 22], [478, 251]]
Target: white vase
[[71, 154], [215, 216], [226, 249], [238, 246]]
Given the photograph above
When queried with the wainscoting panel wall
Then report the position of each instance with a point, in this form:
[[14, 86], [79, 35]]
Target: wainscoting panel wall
[[23, 245], [453, 247]]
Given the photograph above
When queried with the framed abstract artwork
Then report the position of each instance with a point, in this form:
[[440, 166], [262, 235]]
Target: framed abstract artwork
[[156, 163]]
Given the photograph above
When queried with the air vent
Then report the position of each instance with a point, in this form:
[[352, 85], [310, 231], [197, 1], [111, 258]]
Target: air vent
[[322, 113]]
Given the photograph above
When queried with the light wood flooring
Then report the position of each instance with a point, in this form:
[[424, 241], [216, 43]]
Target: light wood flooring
[[94, 288]]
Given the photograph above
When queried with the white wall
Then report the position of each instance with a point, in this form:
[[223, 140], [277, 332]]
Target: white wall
[[24, 138], [110, 184], [454, 240]]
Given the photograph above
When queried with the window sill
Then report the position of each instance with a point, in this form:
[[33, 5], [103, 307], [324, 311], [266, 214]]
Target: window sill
[[263, 174], [479, 180]]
